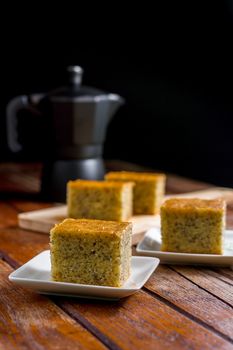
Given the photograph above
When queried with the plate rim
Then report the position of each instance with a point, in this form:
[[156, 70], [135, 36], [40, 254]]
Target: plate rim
[[31, 281], [177, 254]]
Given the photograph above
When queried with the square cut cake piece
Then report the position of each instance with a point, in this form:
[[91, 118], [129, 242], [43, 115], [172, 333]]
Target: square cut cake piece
[[148, 191], [93, 252], [100, 200], [193, 225]]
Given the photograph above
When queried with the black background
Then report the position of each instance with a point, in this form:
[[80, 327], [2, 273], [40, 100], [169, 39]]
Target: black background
[[173, 65]]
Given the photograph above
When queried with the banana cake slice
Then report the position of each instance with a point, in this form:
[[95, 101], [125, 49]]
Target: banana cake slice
[[93, 252], [193, 225], [100, 200], [148, 191]]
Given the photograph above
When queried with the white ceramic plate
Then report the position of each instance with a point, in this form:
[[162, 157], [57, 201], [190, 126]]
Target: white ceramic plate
[[151, 243], [35, 274]]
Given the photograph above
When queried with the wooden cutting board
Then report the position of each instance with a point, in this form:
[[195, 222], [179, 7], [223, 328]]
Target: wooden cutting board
[[43, 220]]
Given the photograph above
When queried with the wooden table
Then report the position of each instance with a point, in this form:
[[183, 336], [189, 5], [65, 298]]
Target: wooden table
[[180, 307]]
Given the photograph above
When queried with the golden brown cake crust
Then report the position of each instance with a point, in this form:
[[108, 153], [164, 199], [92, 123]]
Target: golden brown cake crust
[[83, 226], [193, 204], [98, 184], [131, 176]]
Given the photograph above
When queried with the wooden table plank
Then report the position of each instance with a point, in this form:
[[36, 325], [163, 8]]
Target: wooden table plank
[[146, 323], [225, 274], [32, 321], [207, 281], [192, 299], [8, 215], [21, 245], [228, 273]]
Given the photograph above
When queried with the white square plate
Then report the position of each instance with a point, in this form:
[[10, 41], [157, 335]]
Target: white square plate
[[151, 243], [35, 274]]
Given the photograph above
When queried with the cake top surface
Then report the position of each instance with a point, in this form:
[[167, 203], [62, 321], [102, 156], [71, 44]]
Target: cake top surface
[[194, 204], [137, 176], [84, 226], [99, 184]]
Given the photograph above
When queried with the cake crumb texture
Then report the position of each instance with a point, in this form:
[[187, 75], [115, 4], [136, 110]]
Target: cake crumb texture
[[95, 252], [148, 192], [100, 200], [193, 225]]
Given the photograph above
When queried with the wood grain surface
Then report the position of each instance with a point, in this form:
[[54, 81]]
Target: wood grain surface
[[29, 319], [180, 307]]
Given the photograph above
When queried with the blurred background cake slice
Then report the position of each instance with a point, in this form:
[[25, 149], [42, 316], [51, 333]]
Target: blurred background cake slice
[[91, 252], [193, 225], [100, 200], [148, 191]]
